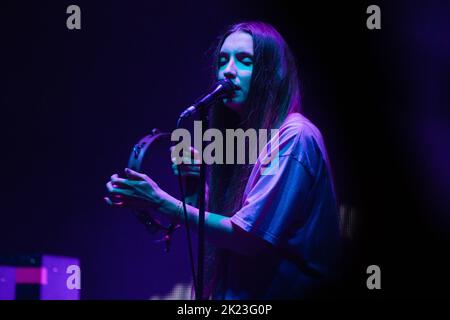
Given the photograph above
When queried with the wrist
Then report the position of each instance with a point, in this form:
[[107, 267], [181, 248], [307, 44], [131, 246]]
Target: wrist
[[171, 207]]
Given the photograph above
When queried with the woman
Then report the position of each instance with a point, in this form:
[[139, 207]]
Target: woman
[[272, 236]]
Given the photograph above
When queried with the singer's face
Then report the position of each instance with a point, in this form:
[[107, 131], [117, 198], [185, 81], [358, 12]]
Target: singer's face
[[236, 64]]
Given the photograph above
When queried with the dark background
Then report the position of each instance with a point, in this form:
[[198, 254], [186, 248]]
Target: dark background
[[74, 102]]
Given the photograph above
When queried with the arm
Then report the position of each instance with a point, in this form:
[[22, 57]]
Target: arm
[[192, 196], [219, 230], [140, 192]]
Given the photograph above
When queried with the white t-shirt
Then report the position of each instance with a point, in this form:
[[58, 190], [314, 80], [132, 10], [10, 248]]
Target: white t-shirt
[[295, 210]]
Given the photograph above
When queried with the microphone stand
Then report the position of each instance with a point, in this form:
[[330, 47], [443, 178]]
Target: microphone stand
[[223, 88], [201, 195], [201, 215]]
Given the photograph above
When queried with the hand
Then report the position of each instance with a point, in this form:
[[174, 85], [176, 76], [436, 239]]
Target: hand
[[190, 174], [190, 166], [138, 191]]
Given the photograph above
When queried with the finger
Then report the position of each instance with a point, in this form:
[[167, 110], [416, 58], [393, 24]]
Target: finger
[[187, 173], [114, 190], [176, 160], [190, 174], [192, 149], [112, 203], [134, 175], [195, 153], [191, 161], [191, 170], [186, 167], [186, 160], [144, 179], [182, 160], [121, 183]]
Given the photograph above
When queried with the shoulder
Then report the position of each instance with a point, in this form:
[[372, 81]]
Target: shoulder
[[301, 140], [296, 123], [297, 139], [300, 133]]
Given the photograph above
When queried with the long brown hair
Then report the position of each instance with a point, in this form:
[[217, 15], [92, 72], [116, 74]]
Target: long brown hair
[[274, 93]]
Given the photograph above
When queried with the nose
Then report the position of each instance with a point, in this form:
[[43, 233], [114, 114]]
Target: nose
[[230, 70]]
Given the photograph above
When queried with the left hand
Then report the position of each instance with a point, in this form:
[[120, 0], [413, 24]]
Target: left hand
[[138, 191]]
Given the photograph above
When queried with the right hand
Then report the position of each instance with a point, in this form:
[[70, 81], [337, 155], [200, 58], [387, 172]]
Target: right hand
[[190, 174], [190, 166]]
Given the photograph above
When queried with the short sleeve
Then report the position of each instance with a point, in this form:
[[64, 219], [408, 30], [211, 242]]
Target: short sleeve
[[276, 201]]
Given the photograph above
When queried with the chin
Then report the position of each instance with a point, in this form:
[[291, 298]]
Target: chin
[[234, 106]]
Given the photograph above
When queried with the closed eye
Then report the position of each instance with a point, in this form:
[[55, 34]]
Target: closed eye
[[245, 58], [223, 59], [247, 62]]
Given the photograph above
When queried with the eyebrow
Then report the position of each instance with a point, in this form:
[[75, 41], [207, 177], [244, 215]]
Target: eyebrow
[[244, 54], [240, 53]]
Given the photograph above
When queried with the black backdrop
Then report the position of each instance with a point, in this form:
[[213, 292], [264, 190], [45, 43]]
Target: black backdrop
[[74, 102]]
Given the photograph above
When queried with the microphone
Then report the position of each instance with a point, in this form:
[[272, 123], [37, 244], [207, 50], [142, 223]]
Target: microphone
[[223, 88]]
